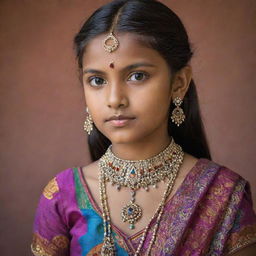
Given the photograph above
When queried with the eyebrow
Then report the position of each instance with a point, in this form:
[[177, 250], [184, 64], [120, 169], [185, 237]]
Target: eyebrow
[[127, 68]]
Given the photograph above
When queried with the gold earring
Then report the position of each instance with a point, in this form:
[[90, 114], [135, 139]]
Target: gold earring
[[178, 116], [88, 123]]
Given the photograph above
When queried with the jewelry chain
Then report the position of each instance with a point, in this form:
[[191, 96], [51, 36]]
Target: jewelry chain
[[108, 248]]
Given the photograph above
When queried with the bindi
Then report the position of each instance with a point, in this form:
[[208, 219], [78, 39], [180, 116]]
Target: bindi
[[111, 65]]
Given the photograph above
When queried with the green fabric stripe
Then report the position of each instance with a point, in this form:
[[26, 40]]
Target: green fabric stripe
[[81, 196]]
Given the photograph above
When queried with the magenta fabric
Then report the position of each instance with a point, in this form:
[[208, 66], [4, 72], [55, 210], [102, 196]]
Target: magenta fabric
[[210, 214]]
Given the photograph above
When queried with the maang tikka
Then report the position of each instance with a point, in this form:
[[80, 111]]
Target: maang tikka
[[88, 123], [178, 116], [110, 43]]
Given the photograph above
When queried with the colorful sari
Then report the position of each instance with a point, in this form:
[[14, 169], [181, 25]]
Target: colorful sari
[[210, 214]]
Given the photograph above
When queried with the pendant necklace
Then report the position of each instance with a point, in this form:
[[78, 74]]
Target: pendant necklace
[[136, 175]]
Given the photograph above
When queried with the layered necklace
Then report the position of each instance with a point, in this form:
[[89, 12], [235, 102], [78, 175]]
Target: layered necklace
[[139, 174]]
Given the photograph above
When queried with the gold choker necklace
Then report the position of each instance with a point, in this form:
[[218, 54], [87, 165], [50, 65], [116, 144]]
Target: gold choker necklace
[[135, 175], [139, 174]]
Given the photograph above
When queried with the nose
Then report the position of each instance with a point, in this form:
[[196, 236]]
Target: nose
[[117, 96]]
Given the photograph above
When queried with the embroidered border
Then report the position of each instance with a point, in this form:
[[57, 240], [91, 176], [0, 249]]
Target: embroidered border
[[42, 247], [241, 239]]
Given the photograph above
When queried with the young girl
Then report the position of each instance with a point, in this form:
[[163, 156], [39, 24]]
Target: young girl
[[152, 188]]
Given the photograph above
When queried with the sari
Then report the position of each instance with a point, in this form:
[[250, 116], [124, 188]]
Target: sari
[[210, 214]]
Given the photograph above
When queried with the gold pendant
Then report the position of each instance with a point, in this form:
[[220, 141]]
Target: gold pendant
[[131, 213], [110, 43]]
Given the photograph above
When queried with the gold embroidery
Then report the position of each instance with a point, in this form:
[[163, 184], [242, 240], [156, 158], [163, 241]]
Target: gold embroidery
[[218, 190], [51, 188], [42, 247], [242, 238], [209, 210], [60, 241], [228, 184], [95, 251]]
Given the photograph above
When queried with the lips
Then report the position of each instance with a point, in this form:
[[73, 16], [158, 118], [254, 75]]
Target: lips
[[120, 120], [120, 117]]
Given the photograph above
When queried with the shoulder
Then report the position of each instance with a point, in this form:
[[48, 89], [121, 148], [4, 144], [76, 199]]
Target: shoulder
[[60, 194], [91, 171], [61, 185], [216, 179], [65, 181], [219, 171], [65, 175]]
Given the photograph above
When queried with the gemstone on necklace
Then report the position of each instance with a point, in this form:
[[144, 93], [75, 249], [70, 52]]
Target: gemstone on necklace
[[132, 173], [130, 210], [131, 213], [135, 175], [132, 226]]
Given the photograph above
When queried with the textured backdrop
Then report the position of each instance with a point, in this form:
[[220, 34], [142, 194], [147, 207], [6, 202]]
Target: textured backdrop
[[42, 108]]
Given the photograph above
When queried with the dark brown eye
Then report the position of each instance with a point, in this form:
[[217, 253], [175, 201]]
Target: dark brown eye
[[138, 76], [96, 81]]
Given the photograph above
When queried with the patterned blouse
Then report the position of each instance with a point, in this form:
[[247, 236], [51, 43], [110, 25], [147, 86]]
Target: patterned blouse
[[210, 214]]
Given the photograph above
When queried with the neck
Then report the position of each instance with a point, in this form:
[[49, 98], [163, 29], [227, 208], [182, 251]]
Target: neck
[[143, 149]]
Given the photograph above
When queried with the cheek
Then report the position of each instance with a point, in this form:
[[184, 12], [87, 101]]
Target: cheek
[[94, 104], [92, 99], [155, 100], [154, 107], [85, 95]]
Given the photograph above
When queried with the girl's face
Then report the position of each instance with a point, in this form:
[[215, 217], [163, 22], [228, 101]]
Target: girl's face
[[128, 92]]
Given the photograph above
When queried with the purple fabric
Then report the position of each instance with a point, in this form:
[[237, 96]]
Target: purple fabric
[[210, 214], [61, 216]]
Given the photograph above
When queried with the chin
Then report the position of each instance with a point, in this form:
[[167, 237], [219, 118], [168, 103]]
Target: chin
[[123, 138], [130, 135]]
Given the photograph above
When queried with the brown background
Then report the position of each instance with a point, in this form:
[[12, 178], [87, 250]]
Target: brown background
[[42, 108]]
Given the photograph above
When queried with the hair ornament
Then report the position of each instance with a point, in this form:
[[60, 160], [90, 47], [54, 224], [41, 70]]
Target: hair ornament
[[110, 43]]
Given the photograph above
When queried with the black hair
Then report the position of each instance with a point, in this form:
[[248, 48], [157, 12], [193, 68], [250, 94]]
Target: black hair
[[163, 31]]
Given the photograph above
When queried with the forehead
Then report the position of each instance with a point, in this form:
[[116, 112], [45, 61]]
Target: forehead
[[131, 49]]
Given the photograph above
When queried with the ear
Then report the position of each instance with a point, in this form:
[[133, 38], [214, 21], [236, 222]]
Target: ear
[[181, 82]]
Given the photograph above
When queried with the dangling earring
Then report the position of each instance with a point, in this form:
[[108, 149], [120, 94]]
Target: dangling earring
[[88, 123], [178, 115]]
